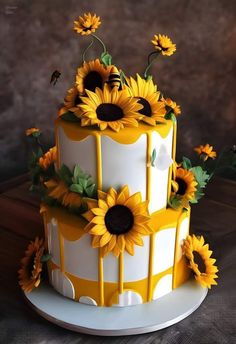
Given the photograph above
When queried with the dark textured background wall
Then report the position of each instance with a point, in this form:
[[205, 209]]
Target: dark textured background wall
[[37, 38]]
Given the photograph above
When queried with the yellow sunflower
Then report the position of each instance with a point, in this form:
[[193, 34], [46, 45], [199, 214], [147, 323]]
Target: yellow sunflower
[[87, 24], [146, 92], [92, 74], [31, 266], [184, 184], [164, 45], [200, 262], [205, 152], [110, 108], [170, 105], [32, 132], [60, 192], [48, 158], [71, 101], [118, 221]]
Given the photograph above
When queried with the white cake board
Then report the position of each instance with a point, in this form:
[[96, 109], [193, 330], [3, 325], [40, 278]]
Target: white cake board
[[117, 321]]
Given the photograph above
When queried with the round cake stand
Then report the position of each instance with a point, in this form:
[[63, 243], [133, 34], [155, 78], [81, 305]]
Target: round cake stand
[[117, 321]]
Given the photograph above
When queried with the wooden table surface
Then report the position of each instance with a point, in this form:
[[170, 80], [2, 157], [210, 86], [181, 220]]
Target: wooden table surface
[[215, 320]]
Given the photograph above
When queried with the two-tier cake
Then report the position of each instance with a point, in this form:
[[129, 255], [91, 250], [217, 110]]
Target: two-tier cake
[[115, 204]]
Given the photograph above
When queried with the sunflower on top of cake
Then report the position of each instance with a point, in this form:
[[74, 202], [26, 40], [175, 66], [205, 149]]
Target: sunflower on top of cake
[[107, 101], [104, 97]]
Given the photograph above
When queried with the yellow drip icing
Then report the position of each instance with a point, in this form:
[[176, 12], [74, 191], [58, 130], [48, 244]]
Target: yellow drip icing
[[121, 272], [180, 269], [126, 136], [148, 196], [62, 255], [100, 278], [99, 161], [174, 141]]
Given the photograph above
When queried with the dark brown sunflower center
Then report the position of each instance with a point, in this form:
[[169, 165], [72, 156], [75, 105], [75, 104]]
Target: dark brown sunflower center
[[109, 112], [182, 186], [199, 261], [92, 80], [77, 100], [146, 110], [30, 266], [87, 28], [119, 219]]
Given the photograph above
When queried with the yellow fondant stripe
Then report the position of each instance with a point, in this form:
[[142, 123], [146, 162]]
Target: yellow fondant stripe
[[100, 278], [61, 244], [174, 141], [148, 196], [99, 184], [169, 183], [150, 272], [121, 273], [99, 161], [180, 219]]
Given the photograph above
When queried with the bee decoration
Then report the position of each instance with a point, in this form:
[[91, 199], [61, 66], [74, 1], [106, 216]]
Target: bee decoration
[[54, 77], [114, 80]]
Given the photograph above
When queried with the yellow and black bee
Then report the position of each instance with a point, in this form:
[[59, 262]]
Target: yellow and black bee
[[114, 80], [54, 77]]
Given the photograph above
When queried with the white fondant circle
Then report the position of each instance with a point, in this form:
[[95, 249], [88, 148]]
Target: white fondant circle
[[117, 321]]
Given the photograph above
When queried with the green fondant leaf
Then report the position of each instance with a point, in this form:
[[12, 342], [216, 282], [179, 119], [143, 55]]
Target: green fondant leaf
[[171, 115], [65, 174], [200, 175], [90, 190], [122, 77], [175, 202], [70, 117], [186, 163], [45, 257], [153, 157], [106, 58], [36, 134], [149, 77], [76, 188]]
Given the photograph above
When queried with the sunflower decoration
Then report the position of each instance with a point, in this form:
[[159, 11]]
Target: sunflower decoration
[[34, 132], [183, 186], [87, 24], [71, 102], [171, 107], [205, 152], [48, 158], [31, 266], [58, 190], [163, 45], [200, 261], [117, 221], [92, 74], [110, 109], [146, 93]]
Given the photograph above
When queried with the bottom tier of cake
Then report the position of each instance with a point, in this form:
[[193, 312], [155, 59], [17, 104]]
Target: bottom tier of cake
[[78, 271]]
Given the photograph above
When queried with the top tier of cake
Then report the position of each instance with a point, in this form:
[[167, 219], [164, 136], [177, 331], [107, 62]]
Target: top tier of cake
[[138, 157]]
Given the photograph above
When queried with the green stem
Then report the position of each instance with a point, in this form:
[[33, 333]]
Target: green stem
[[150, 62], [85, 51], [101, 42], [217, 163]]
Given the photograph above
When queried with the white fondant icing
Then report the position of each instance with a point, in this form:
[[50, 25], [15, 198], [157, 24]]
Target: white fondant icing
[[159, 176], [163, 287], [163, 159], [124, 164], [81, 259], [136, 266], [183, 233], [53, 242], [129, 298], [87, 300], [62, 284], [82, 153], [111, 268], [164, 249]]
